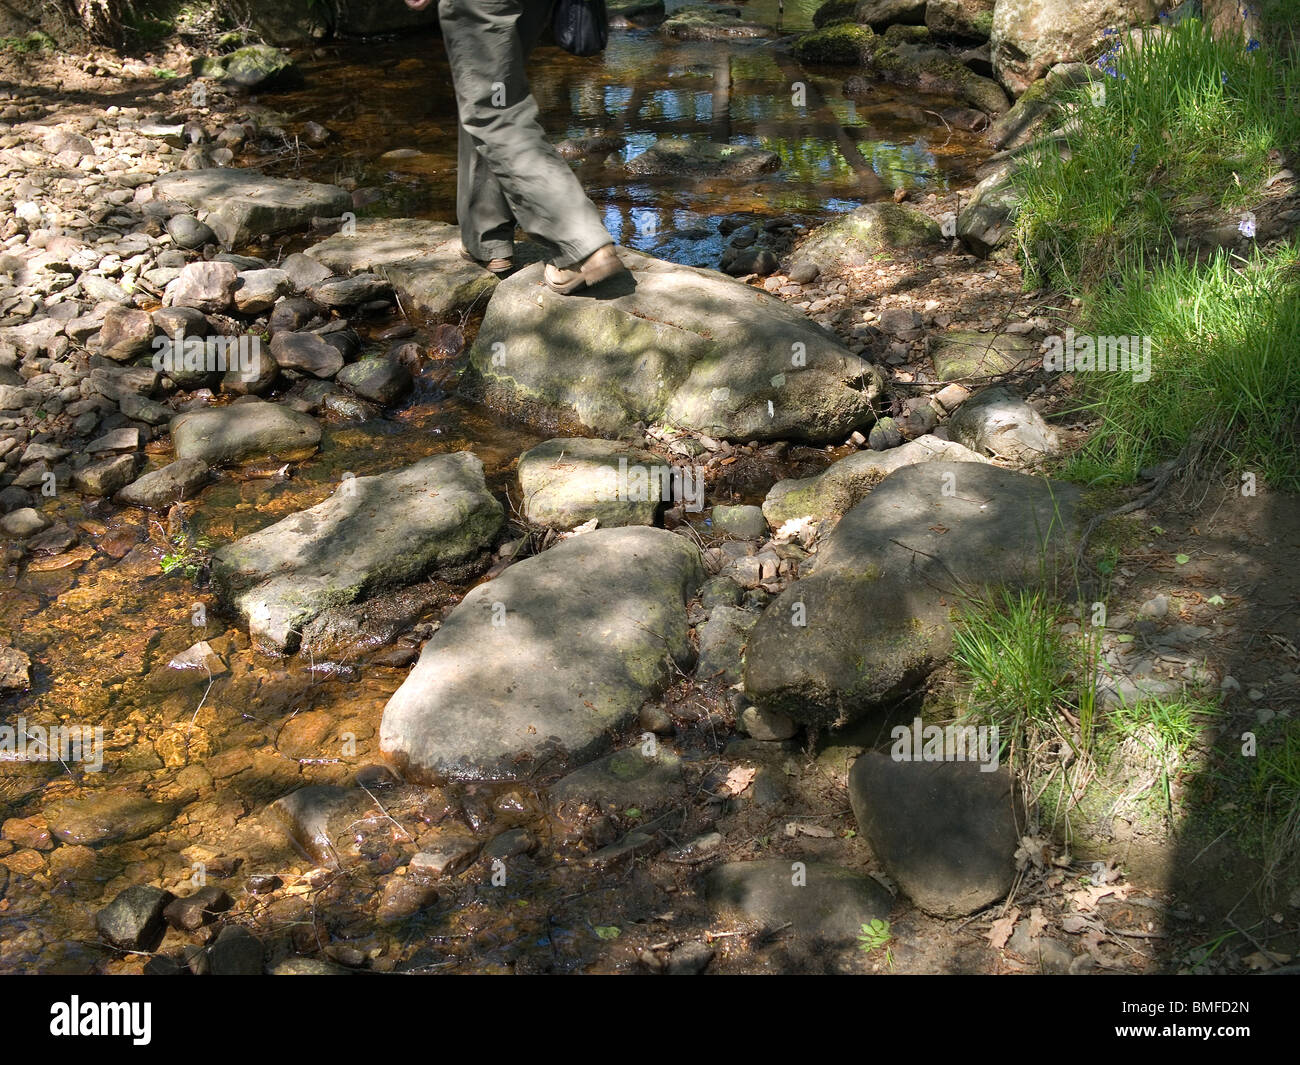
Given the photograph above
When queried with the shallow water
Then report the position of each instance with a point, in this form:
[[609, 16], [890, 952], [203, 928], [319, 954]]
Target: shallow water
[[102, 630]]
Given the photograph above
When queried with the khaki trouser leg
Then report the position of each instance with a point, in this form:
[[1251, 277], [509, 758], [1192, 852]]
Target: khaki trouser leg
[[508, 171]]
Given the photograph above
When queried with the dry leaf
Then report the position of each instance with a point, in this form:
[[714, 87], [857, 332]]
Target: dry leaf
[[1263, 960], [816, 831], [738, 780], [1002, 928]]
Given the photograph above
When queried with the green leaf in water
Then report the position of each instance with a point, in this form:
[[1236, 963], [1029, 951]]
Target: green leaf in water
[[608, 931]]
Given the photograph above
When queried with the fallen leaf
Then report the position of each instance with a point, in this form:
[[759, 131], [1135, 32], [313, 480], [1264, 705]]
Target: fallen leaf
[[738, 780], [1002, 928]]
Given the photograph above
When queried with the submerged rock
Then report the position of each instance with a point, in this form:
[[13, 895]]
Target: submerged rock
[[134, 919], [434, 517], [106, 817], [243, 430], [542, 665], [666, 344]]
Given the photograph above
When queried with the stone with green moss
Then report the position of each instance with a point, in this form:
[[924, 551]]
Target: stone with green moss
[[540, 667], [964, 19], [255, 66], [878, 14], [832, 12], [877, 605], [844, 43], [967, 354], [854, 239], [434, 518]]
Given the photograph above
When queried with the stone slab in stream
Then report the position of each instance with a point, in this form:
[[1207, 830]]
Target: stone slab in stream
[[420, 259], [666, 345], [571, 480], [242, 205], [846, 482], [432, 518], [877, 611], [243, 430], [540, 667]]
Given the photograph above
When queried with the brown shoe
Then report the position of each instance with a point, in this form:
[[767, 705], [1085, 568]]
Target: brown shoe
[[495, 266], [599, 266]]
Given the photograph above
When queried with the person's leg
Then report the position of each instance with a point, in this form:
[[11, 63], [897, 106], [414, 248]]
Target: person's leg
[[498, 114]]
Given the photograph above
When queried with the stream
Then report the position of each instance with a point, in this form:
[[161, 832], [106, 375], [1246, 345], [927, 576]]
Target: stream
[[219, 747]]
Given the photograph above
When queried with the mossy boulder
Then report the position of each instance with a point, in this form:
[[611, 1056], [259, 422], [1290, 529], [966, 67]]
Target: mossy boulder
[[970, 20], [854, 239], [843, 44], [881, 13], [832, 12], [255, 66]]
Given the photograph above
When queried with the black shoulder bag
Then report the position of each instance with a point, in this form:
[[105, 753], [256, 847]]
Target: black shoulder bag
[[581, 27]]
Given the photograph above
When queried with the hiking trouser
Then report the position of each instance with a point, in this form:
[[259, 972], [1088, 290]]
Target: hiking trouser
[[507, 172]]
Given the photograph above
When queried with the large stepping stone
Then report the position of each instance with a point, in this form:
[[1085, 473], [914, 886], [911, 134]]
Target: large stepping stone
[[242, 205], [666, 344], [877, 610], [543, 665], [821, 903], [243, 430], [420, 259], [845, 483], [945, 831], [571, 480], [432, 518]]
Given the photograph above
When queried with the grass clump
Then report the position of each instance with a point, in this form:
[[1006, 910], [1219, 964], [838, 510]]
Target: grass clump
[[1178, 122], [1224, 336]]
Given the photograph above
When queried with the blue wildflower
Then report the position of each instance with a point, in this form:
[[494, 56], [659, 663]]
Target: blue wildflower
[[1247, 227], [1252, 45]]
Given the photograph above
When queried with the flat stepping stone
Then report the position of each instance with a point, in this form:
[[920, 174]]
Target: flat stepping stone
[[877, 609], [242, 431], [242, 205], [420, 259], [433, 518], [541, 666], [819, 902], [845, 483], [666, 345], [569, 481]]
